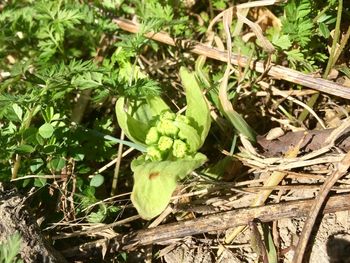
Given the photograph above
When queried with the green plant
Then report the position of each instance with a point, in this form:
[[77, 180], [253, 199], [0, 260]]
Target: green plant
[[9, 250], [172, 142], [301, 37]]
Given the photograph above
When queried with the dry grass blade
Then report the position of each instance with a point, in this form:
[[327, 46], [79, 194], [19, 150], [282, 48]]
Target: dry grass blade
[[288, 97], [266, 45], [273, 180], [340, 171], [236, 119], [277, 72], [215, 222]]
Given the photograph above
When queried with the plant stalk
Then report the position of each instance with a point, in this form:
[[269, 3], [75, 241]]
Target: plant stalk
[[331, 61]]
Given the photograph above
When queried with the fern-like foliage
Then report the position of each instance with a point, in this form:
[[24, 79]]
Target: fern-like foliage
[[304, 29], [9, 250], [297, 23]]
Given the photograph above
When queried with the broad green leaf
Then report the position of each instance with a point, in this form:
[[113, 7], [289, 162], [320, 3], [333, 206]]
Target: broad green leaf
[[134, 129], [197, 107], [190, 134], [142, 111], [57, 164], [18, 111], [46, 130], [146, 110], [29, 135], [39, 182], [157, 105], [25, 148], [36, 164], [155, 182], [136, 122], [97, 180], [50, 149], [324, 30]]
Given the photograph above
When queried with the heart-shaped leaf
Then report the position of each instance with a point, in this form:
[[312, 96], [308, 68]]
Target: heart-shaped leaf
[[155, 182]]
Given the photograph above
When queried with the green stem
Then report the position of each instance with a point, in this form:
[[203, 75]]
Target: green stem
[[18, 157], [331, 61]]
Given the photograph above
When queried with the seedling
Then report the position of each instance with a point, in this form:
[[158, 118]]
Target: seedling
[[172, 141]]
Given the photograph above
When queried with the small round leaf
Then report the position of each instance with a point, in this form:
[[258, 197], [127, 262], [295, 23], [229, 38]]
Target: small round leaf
[[97, 180], [57, 164], [46, 130]]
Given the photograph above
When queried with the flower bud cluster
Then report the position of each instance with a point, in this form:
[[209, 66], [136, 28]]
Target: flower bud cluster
[[164, 139]]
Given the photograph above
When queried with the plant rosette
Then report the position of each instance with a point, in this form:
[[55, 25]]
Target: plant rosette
[[171, 142]]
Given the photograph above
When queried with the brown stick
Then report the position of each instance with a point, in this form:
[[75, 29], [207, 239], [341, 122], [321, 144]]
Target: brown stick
[[275, 71], [215, 222], [342, 169]]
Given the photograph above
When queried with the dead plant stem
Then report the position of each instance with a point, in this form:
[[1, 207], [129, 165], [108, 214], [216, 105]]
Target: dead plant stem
[[117, 166], [317, 205]]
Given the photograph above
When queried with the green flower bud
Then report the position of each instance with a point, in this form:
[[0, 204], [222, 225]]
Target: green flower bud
[[182, 118], [182, 136], [152, 136], [167, 127], [179, 149], [165, 143], [167, 115], [153, 154]]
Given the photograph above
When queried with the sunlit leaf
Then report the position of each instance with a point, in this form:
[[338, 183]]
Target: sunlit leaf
[[197, 107], [236, 119], [283, 42], [46, 130], [134, 129], [154, 182], [157, 105], [18, 111], [39, 182], [190, 134], [269, 244], [36, 164]]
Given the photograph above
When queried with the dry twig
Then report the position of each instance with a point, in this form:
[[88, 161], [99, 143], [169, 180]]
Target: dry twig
[[277, 72], [215, 222], [341, 170]]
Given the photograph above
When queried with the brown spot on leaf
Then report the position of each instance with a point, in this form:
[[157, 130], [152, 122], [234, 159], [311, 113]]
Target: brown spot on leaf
[[153, 175]]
